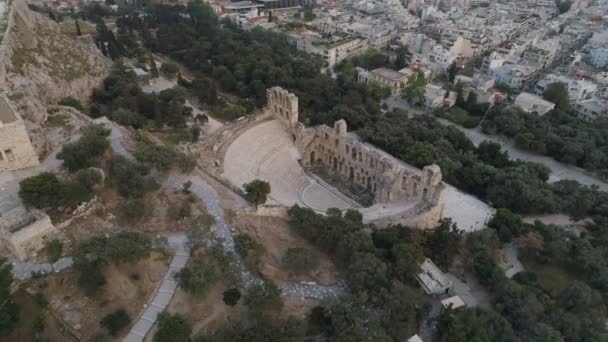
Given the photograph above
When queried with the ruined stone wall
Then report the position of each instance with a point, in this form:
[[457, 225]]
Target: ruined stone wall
[[366, 166], [16, 150], [31, 238], [283, 105]]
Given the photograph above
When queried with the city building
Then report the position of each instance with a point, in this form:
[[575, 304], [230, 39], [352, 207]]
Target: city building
[[394, 80], [598, 57], [591, 109], [432, 279], [577, 89], [332, 50], [452, 303], [533, 104]]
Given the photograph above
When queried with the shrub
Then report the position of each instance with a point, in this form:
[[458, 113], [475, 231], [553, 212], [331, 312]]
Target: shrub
[[169, 69], [41, 191], [131, 178], [200, 275], [135, 209], [128, 118], [90, 276], [257, 191], [163, 158], [232, 296], [300, 260], [184, 210], [121, 247], [71, 102], [262, 299], [86, 151], [172, 328], [53, 249], [116, 321]]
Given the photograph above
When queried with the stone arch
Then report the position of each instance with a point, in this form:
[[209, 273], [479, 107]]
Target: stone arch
[[312, 157]]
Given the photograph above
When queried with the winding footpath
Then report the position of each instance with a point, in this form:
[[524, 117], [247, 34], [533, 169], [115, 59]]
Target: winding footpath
[[222, 232]]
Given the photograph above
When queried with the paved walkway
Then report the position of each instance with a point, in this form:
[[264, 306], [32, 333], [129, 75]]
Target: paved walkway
[[179, 243], [513, 265], [25, 270]]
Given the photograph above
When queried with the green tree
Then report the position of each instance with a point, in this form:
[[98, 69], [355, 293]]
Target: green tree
[[116, 321], [257, 191], [558, 94], [232, 296], [262, 299], [41, 191], [9, 310], [53, 249], [87, 150], [169, 69], [172, 328], [414, 88], [466, 325]]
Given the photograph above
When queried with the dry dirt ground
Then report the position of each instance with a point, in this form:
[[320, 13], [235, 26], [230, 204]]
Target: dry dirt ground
[[104, 216], [211, 314], [128, 286], [277, 236], [54, 330]]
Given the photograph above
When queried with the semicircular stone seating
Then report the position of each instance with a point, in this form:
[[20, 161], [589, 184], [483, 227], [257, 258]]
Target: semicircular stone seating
[[267, 152]]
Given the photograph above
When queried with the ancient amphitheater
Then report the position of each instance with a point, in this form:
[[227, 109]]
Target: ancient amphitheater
[[276, 148]]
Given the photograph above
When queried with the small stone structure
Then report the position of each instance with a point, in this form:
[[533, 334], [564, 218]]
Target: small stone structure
[[363, 165], [24, 231], [16, 150]]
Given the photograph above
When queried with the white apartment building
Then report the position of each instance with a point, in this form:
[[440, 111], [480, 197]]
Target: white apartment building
[[598, 57], [533, 104], [333, 51], [577, 89]]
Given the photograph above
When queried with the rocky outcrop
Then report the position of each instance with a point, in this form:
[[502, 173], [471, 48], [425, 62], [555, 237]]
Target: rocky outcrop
[[43, 63]]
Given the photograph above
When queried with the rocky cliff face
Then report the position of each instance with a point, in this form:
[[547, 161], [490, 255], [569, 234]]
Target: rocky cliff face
[[43, 62]]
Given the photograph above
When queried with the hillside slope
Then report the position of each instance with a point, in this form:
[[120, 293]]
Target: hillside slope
[[41, 64]]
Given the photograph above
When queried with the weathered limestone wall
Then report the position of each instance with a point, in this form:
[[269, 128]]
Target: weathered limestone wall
[[16, 150], [366, 166], [28, 240], [283, 105], [424, 215], [279, 211]]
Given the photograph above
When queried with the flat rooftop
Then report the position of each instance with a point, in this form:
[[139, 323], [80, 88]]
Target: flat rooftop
[[432, 279], [6, 112], [390, 74]]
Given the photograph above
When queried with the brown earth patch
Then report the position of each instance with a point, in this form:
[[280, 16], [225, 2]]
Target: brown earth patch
[[276, 235], [128, 286]]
